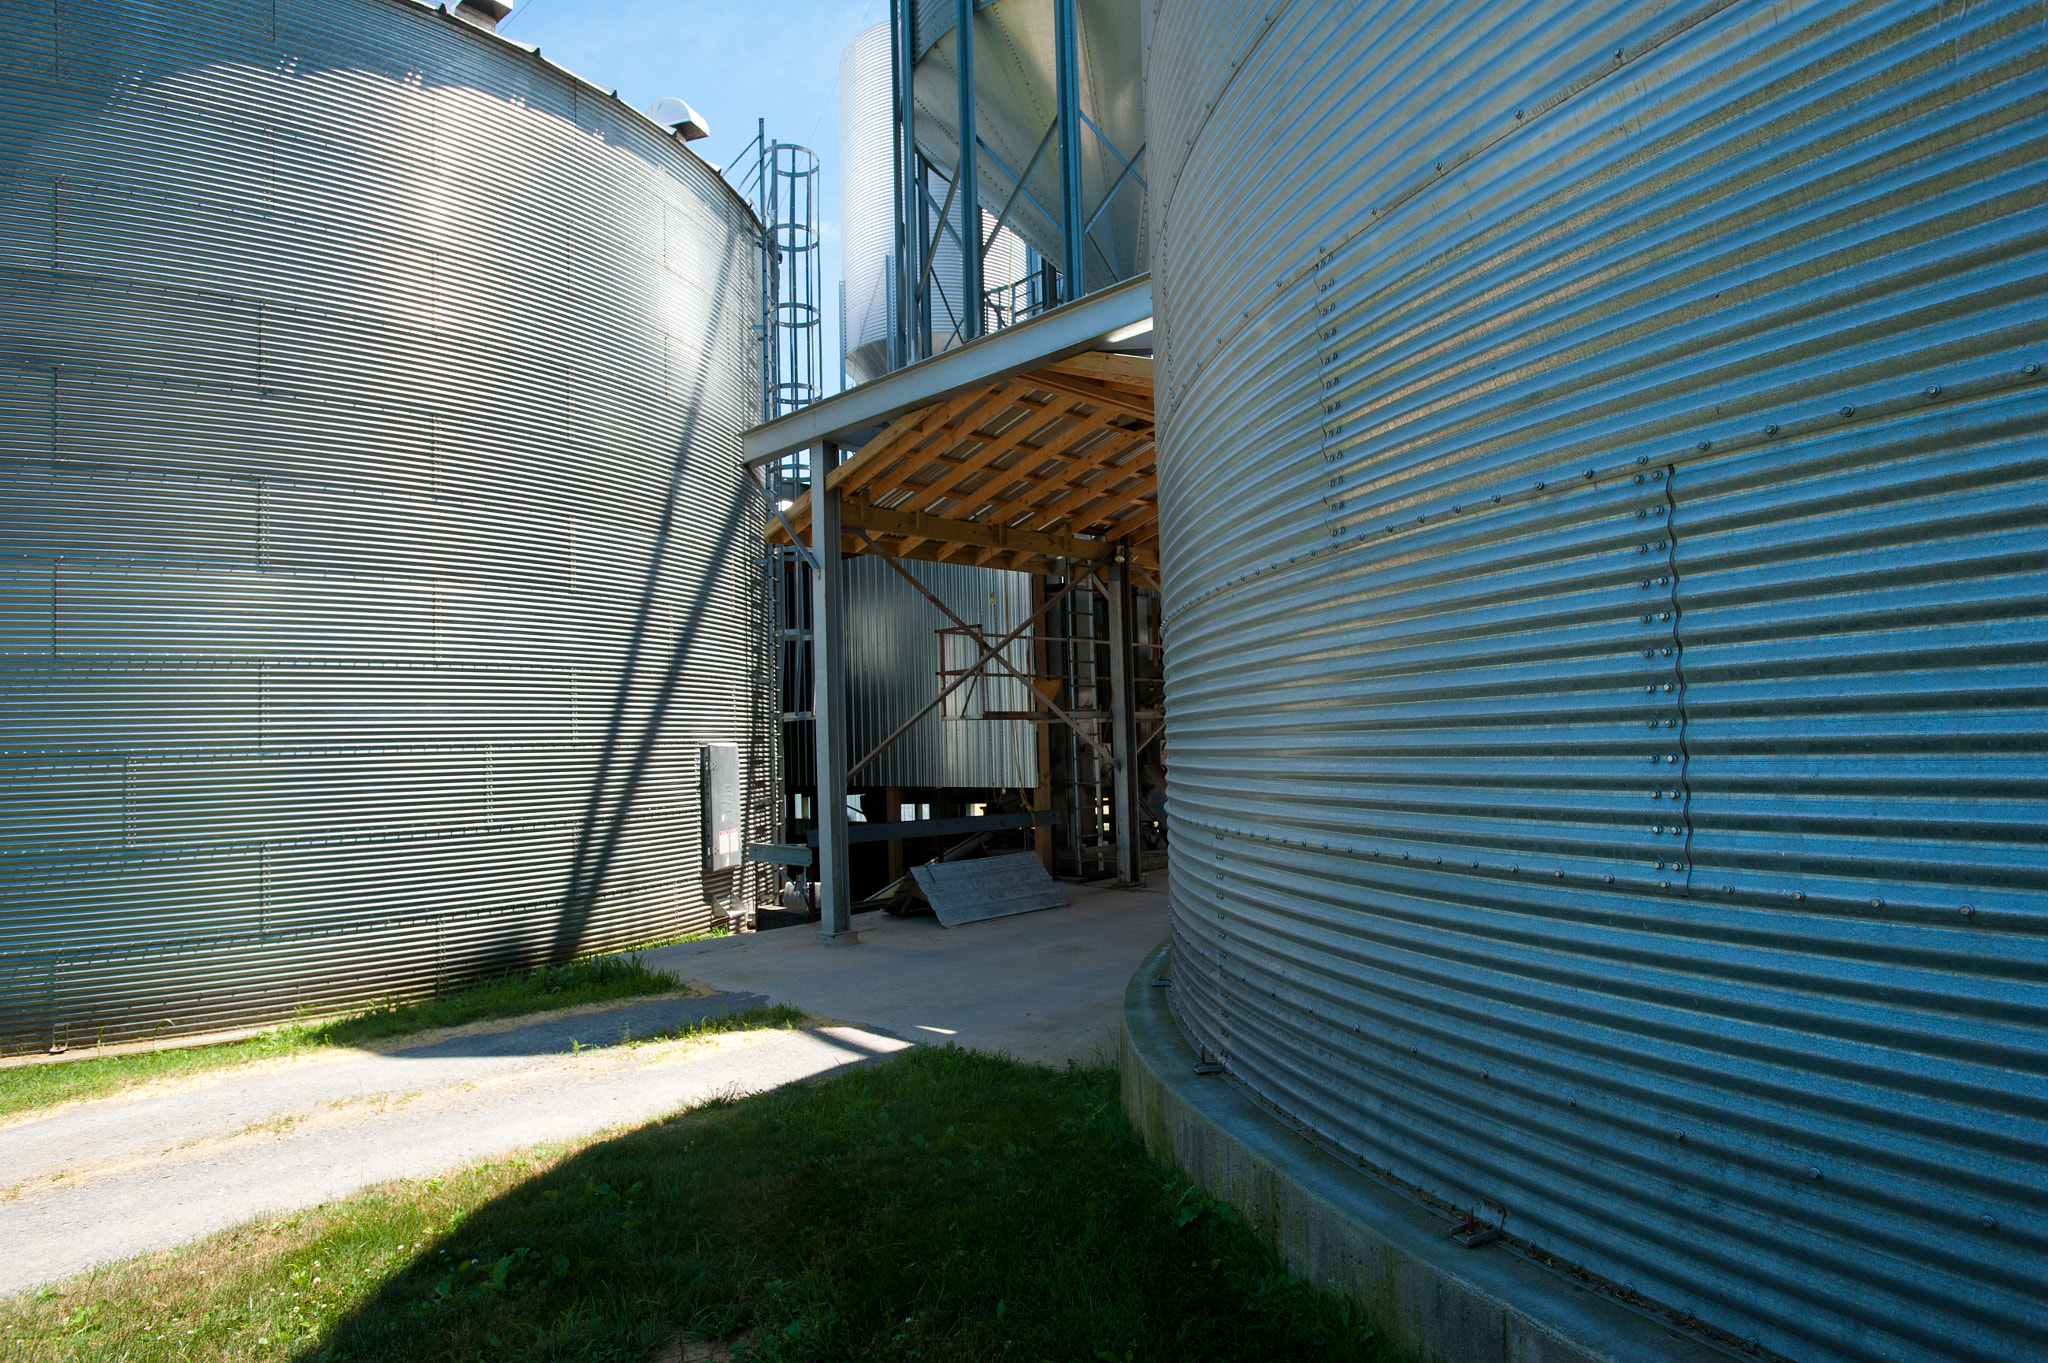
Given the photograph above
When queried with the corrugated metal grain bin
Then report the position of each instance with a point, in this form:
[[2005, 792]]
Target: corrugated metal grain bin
[[373, 556], [1604, 508]]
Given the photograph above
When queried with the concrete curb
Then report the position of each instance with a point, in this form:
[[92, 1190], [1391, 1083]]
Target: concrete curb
[[1431, 1296]]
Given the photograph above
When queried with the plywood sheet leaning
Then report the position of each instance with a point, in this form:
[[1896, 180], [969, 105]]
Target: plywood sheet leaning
[[993, 887]]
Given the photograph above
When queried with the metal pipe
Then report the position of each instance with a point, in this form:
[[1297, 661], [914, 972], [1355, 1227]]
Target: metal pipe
[[1067, 71], [828, 702], [1003, 217], [965, 179], [1114, 186], [1004, 167]]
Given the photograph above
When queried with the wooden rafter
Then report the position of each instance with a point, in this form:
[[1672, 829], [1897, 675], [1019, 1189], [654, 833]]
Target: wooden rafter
[[1094, 471]]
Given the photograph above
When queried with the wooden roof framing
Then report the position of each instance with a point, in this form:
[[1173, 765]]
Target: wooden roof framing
[[1054, 463]]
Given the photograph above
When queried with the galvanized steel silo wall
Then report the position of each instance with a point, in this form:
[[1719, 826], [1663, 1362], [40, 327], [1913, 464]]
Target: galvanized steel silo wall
[[1602, 482], [372, 552]]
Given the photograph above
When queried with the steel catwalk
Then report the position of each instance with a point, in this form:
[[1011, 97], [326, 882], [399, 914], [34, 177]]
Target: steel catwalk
[[374, 546], [1602, 493]]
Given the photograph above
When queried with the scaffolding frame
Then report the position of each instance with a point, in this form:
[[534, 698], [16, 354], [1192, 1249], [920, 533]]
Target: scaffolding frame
[[783, 185], [1055, 398]]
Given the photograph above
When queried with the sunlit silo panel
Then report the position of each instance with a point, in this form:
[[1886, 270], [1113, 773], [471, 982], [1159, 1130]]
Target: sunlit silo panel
[[1601, 495], [373, 557]]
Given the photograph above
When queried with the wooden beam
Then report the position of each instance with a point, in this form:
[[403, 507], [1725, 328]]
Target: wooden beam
[[973, 533], [997, 447], [1116, 385], [1017, 506], [1088, 390], [897, 437], [1123, 370], [955, 472]]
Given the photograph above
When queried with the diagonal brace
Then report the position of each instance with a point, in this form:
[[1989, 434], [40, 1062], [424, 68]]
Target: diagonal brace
[[997, 658], [961, 680]]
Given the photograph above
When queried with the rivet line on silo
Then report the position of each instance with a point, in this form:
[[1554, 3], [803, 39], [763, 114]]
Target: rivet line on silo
[[1726, 444]]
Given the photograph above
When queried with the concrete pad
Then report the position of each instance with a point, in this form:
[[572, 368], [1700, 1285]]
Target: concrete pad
[[1045, 987]]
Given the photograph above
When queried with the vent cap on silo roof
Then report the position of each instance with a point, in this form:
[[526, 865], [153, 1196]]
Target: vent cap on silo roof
[[485, 14], [680, 118]]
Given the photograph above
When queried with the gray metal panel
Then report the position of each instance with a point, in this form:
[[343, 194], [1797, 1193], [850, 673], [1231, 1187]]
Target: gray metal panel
[[1602, 498], [867, 213], [370, 399], [963, 892], [867, 202], [893, 652]]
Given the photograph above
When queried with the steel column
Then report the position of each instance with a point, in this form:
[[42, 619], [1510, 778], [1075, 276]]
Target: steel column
[[1073, 227], [909, 342], [1041, 666], [828, 703], [1123, 724], [966, 185]]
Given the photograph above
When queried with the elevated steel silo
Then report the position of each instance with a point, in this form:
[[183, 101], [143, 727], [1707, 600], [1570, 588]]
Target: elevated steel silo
[[372, 556], [1602, 499], [867, 224], [1016, 105]]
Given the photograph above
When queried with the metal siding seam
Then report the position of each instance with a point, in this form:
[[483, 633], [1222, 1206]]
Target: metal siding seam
[[333, 500], [1604, 635]]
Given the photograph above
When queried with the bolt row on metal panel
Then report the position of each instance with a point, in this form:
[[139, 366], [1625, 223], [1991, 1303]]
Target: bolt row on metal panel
[[1603, 501], [374, 553]]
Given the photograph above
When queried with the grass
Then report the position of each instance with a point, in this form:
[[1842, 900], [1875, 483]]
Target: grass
[[25, 1088], [942, 1206]]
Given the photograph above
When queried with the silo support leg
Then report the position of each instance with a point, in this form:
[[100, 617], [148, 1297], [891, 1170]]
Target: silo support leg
[[1123, 724], [828, 706]]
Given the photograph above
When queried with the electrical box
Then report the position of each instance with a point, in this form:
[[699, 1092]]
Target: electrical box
[[719, 798]]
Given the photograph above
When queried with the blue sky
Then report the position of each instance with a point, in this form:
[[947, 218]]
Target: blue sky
[[734, 61]]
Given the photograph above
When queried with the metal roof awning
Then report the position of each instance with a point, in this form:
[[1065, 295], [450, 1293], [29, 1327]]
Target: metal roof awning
[[1025, 447]]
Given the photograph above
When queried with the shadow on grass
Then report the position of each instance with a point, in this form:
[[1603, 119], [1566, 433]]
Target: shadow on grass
[[944, 1206]]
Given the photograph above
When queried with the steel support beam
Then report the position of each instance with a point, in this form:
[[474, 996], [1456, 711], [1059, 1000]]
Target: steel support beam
[[1123, 724], [903, 301], [1067, 76], [828, 704], [966, 179], [1114, 316], [1041, 666]]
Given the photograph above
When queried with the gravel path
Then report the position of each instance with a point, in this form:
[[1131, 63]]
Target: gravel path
[[104, 1180]]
